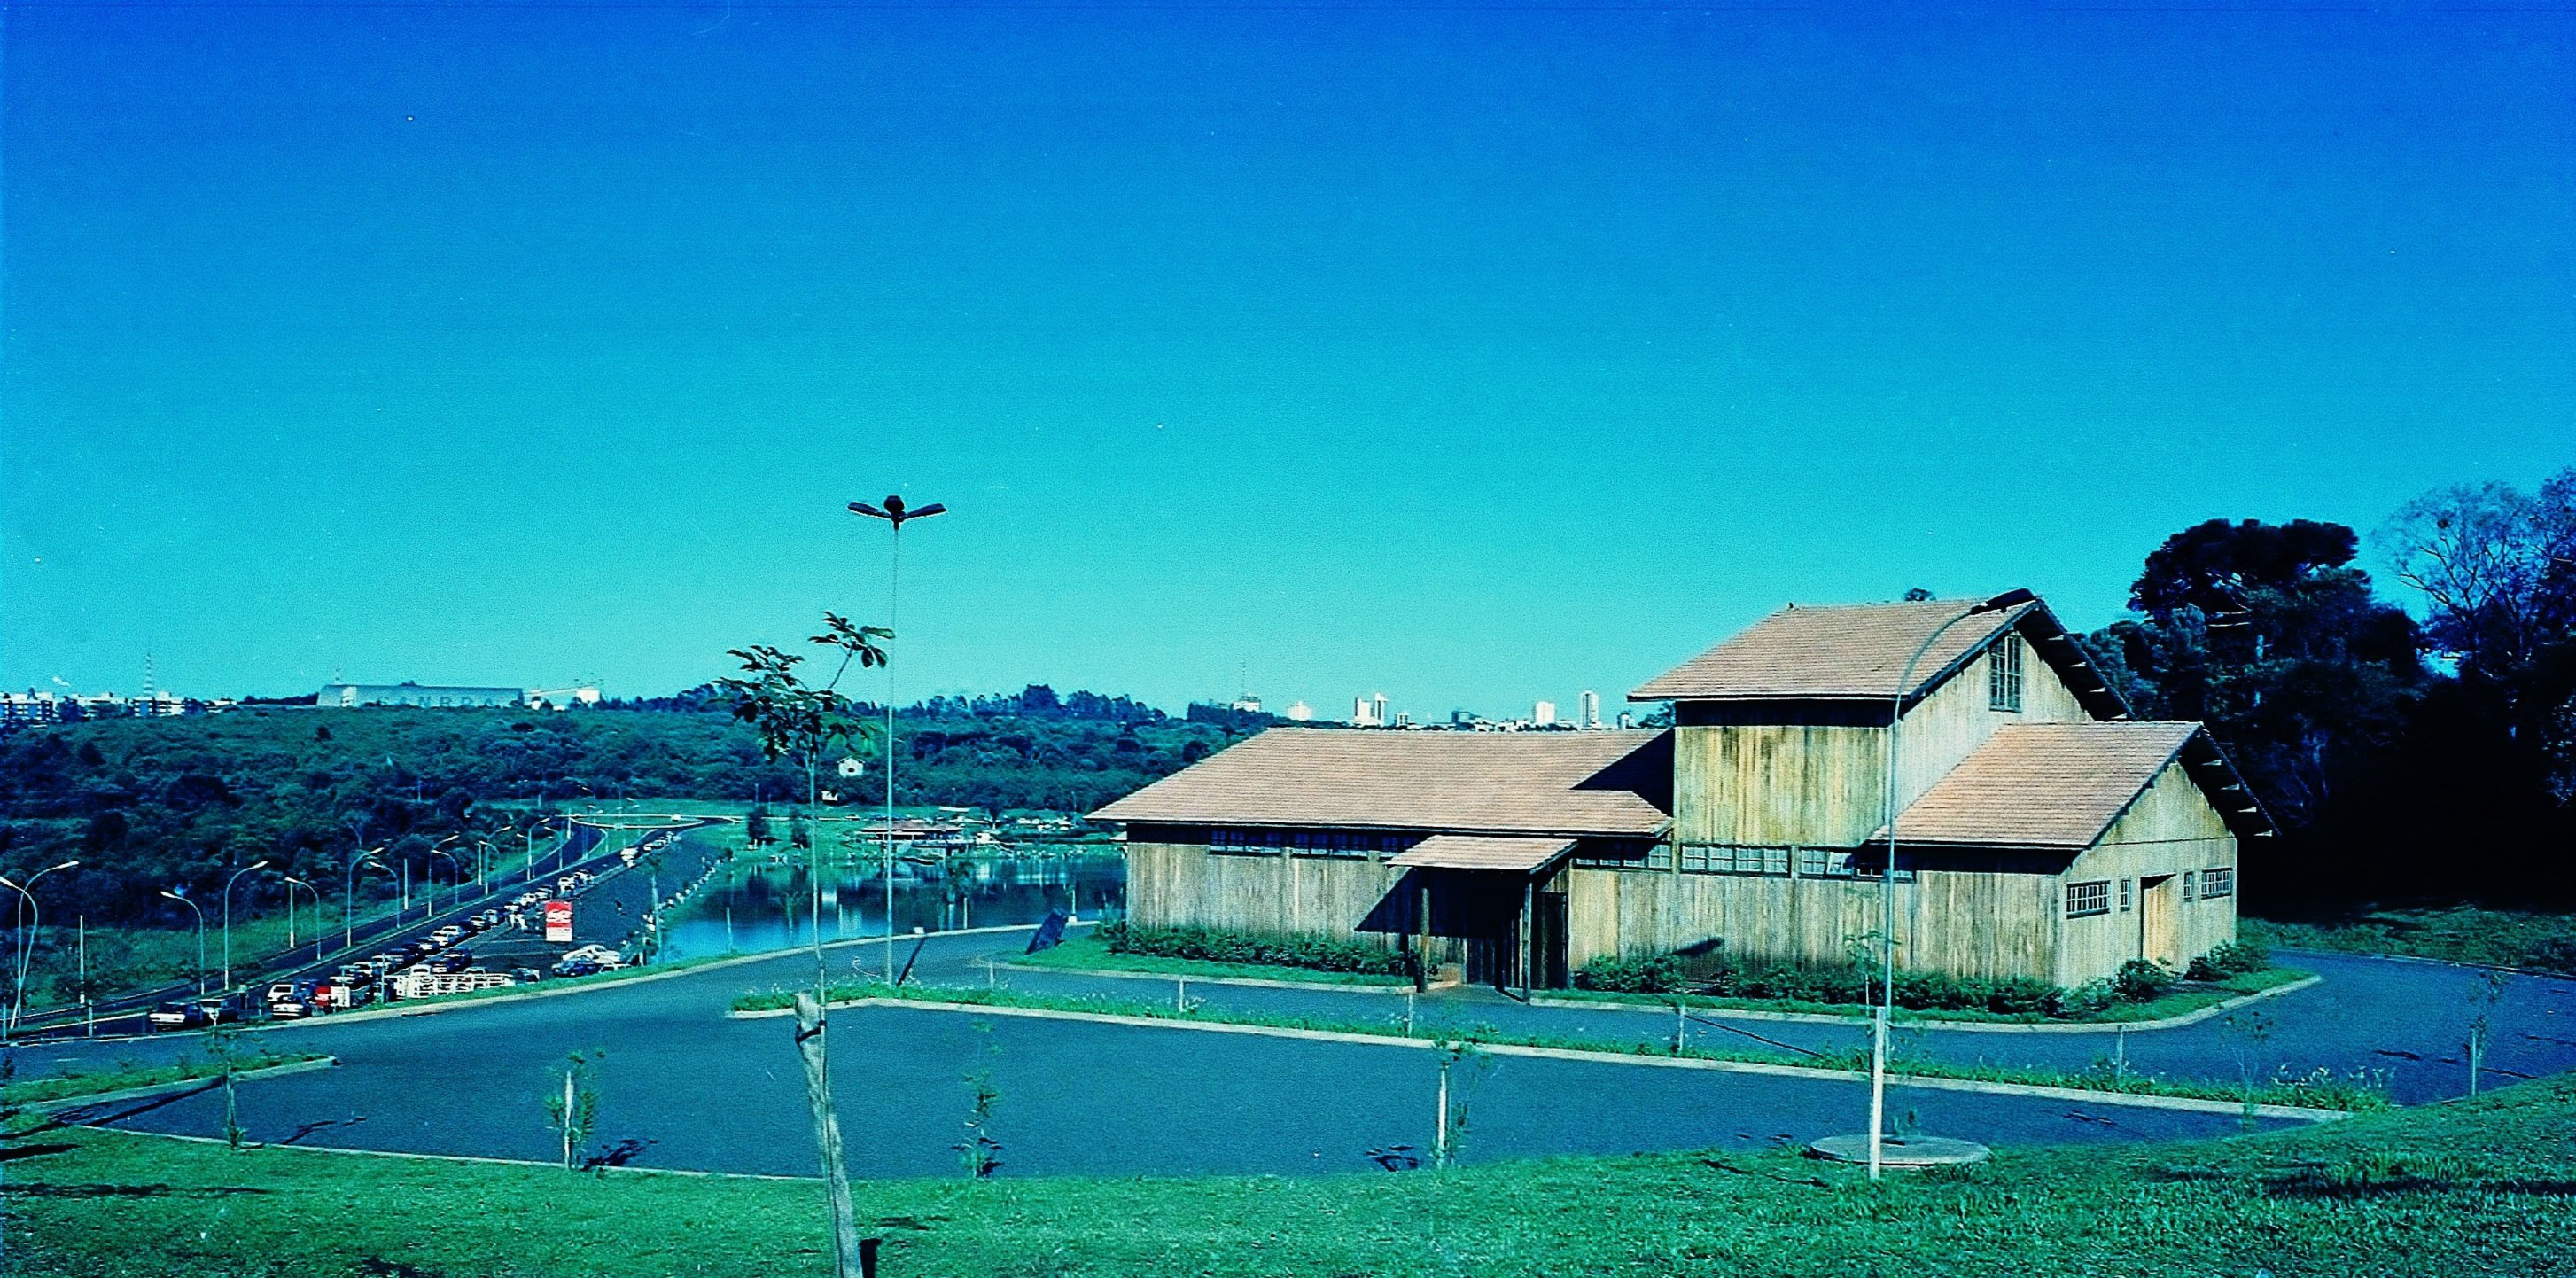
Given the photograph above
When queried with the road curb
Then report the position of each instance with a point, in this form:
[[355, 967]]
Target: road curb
[[2189, 1104], [456, 1158], [86, 1100], [2193, 1017], [1253, 982]]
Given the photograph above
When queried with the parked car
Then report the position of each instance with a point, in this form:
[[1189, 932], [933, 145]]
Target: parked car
[[577, 967], [526, 974], [451, 961], [171, 1016], [296, 991]]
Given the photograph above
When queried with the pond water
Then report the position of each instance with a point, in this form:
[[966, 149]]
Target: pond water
[[770, 906]]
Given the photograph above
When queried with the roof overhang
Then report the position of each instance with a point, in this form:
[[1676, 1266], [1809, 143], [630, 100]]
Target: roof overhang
[[1514, 854]]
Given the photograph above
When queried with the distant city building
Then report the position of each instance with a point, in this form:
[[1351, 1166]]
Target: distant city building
[[1626, 721], [1247, 703], [1590, 702], [1300, 712], [408, 693], [1543, 714], [31, 708]]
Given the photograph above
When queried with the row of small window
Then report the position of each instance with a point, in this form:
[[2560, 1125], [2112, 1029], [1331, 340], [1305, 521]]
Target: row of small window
[[2083, 900], [1741, 858], [1356, 845]]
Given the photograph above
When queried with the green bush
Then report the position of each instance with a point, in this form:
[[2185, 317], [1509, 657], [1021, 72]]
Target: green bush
[[2142, 981], [1213, 945], [2229, 958], [2092, 998], [1655, 974]]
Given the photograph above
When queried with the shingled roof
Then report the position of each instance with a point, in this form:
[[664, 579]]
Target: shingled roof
[[1857, 652], [1564, 783], [2061, 785]]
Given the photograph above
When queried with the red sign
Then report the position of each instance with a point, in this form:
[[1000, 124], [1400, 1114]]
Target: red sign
[[559, 921]]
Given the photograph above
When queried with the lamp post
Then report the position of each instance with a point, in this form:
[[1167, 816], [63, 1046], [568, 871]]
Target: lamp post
[[260, 864], [895, 514], [201, 938], [293, 883], [456, 886], [1886, 1010], [348, 887], [27, 934]]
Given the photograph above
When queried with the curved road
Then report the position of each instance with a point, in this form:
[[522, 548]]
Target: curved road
[[684, 1086]]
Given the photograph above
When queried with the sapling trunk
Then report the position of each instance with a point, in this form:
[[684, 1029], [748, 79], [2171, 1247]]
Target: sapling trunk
[[827, 1135]]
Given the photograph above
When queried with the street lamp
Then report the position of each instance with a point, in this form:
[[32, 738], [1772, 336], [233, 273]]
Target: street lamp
[[1886, 1010], [895, 513], [201, 938], [26, 935], [293, 883], [348, 886], [457, 869], [260, 864]]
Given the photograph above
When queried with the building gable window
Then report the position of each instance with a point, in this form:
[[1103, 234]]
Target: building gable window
[[2217, 881], [2003, 675], [2084, 900], [2126, 886]]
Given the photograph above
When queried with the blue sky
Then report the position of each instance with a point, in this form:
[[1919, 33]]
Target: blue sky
[[1472, 354]]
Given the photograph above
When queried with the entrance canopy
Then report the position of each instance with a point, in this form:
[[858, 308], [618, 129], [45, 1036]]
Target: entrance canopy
[[1522, 854]]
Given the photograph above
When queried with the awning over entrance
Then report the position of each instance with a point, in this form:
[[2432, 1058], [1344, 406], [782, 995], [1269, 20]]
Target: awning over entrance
[[1482, 852]]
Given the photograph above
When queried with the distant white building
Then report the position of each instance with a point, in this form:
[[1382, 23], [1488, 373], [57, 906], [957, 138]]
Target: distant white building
[[1590, 702], [1300, 712], [1543, 714], [408, 693]]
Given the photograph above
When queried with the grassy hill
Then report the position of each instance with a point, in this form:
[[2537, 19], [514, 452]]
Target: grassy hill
[[2470, 1188]]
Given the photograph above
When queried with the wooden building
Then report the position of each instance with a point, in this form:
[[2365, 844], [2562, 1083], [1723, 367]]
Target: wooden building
[[2041, 831]]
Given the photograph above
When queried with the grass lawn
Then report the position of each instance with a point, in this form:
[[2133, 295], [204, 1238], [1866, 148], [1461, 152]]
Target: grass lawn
[[29, 1091], [2461, 934], [2181, 1001], [1086, 953], [2470, 1188]]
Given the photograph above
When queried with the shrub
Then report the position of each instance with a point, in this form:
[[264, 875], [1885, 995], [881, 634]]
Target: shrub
[[2236, 958], [2142, 981], [2092, 998], [1655, 974], [1213, 945]]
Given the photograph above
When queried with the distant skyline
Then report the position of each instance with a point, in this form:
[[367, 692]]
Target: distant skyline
[[1474, 355]]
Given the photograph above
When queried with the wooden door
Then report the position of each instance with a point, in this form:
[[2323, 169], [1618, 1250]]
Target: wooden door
[[2159, 932]]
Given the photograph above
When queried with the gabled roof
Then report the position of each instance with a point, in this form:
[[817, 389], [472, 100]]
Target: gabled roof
[[1565, 783], [2061, 785], [1857, 652]]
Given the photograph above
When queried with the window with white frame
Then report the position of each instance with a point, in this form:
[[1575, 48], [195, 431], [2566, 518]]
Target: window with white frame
[[1734, 858], [2003, 675], [2218, 880], [2086, 899], [2127, 887], [2190, 879]]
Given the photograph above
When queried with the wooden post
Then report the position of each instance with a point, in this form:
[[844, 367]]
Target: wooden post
[[1529, 902], [1423, 922], [827, 1135]]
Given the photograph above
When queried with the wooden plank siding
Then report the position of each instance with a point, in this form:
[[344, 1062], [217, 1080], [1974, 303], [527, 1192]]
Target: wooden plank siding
[[2172, 828], [1964, 923]]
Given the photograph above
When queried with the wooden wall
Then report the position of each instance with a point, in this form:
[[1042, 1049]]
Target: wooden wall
[[1963, 922], [1815, 773], [2170, 829], [1184, 885]]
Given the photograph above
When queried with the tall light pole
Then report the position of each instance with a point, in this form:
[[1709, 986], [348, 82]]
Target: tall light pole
[[455, 868], [896, 514], [201, 938], [27, 933], [348, 889], [293, 883], [260, 864], [1886, 1010]]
